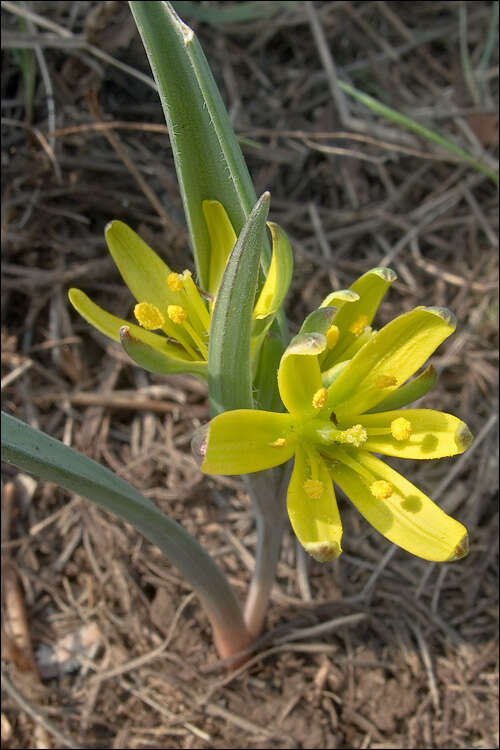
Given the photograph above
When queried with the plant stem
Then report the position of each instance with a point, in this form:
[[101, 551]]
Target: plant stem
[[268, 547], [268, 492]]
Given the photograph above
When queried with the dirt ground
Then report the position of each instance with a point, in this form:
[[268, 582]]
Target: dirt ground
[[375, 650]]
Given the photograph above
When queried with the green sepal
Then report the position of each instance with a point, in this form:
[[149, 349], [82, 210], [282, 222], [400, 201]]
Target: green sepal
[[408, 393], [157, 360], [229, 362]]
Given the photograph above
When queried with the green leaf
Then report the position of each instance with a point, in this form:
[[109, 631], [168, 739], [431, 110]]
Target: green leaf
[[415, 127], [37, 453], [229, 363], [239, 12], [208, 159]]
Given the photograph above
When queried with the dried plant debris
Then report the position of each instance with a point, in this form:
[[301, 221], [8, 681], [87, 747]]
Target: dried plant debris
[[377, 650]]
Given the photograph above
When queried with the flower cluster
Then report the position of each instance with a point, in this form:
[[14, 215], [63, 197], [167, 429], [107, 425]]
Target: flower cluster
[[342, 385], [174, 315]]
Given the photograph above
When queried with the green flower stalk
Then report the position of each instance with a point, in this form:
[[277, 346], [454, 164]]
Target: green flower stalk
[[333, 434]]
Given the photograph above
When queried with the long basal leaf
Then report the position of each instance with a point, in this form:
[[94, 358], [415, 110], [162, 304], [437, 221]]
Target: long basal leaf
[[39, 454], [208, 159]]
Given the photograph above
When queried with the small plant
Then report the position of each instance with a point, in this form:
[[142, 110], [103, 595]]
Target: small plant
[[330, 398]]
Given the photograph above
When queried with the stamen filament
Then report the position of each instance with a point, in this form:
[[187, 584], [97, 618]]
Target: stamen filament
[[196, 338], [194, 297]]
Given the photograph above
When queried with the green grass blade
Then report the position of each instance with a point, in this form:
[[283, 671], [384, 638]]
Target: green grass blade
[[415, 127], [236, 13]]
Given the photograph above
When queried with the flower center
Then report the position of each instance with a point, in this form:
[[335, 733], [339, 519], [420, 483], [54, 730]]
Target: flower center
[[184, 317], [323, 432]]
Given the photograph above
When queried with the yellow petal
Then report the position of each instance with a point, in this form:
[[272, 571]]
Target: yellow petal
[[299, 375], [143, 271], [433, 434], [222, 240], [407, 517], [109, 324], [312, 507], [244, 440], [279, 275], [389, 359], [352, 319]]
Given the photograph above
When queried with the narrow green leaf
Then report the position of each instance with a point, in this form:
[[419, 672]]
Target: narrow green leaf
[[234, 13], [208, 159], [229, 364], [37, 453], [415, 127]]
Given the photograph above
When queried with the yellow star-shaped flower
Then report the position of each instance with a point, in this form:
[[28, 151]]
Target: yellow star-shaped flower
[[174, 316], [333, 429]]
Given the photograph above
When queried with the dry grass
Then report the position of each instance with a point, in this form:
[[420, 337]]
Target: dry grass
[[378, 650]]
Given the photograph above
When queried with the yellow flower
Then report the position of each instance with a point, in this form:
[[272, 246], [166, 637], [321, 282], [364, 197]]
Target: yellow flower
[[174, 316], [333, 430]]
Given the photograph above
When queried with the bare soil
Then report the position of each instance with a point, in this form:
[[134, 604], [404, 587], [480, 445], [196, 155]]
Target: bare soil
[[104, 645]]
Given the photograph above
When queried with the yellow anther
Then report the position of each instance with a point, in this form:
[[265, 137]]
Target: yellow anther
[[401, 428], [314, 488], [148, 316], [355, 435], [176, 313], [332, 336], [381, 489], [319, 398], [174, 281], [385, 381], [359, 325], [278, 443]]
